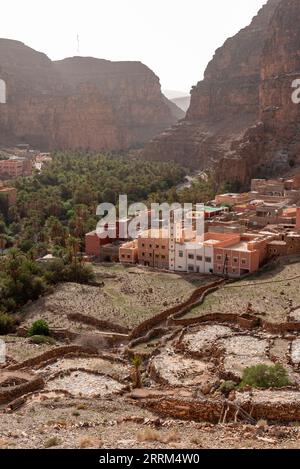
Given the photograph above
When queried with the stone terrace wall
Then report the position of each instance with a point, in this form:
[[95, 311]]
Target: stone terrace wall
[[8, 394], [50, 354], [197, 297], [213, 411]]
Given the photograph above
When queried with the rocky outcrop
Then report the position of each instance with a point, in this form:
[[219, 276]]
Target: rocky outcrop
[[79, 103], [242, 115]]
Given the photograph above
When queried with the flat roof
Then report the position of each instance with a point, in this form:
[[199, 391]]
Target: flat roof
[[213, 209], [241, 246]]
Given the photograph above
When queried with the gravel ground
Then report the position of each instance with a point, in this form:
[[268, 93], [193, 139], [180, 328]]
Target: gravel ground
[[104, 423]]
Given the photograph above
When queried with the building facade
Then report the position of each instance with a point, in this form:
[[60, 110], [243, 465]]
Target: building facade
[[153, 249], [16, 167]]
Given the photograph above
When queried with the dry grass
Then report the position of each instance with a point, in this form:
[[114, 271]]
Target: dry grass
[[195, 440], [148, 434], [172, 437], [89, 442], [53, 441], [262, 424], [4, 443]]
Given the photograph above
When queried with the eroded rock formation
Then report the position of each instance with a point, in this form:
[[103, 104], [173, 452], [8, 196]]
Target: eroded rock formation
[[79, 103], [242, 115]]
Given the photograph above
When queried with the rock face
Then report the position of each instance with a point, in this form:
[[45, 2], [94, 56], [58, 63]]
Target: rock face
[[79, 103], [241, 115]]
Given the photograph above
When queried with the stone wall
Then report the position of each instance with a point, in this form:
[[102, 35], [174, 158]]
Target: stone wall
[[196, 297], [10, 393]]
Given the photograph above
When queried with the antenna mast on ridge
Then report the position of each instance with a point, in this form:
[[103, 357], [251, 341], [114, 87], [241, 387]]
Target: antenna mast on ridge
[[78, 45]]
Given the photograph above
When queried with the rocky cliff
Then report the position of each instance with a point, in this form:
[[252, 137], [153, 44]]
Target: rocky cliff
[[241, 115], [79, 103]]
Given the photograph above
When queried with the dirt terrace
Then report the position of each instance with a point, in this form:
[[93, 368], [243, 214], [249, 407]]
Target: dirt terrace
[[80, 397], [128, 297], [273, 296]]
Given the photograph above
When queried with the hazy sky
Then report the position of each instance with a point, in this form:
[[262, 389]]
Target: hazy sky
[[175, 38]]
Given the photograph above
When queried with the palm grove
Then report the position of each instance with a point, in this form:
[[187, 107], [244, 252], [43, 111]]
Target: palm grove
[[57, 207]]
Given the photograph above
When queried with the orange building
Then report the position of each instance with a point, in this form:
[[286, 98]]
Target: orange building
[[16, 167], [93, 241], [128, 252], [242, 257], [153, 248]]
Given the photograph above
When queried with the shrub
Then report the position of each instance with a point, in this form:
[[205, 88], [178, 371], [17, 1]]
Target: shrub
[[263, 376], [41, 339], [7, 323], [54, 441], [148, 434], [39, 327], [227, 387]]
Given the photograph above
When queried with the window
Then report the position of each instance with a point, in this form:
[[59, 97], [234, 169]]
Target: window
[[244, 261], [219, 257], [163, 257], [157, 246], [208, 260], [150, 254], [143, 245], [180, 254], [128, 257], [150, 246], [123, 255], [157, 256], [143, 254], [235, 260], [191, 256], [191, 268], [199, 258], [163, 247]]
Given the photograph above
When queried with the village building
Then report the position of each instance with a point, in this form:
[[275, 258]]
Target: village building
[[97, 239], [9, 193], [153, 248], [198, 255], [128, 252], [16, 167], [232, 199]]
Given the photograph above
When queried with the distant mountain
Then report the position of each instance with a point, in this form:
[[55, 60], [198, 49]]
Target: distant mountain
[[79, 102], [183, 102], [242, 121], [173, 94]]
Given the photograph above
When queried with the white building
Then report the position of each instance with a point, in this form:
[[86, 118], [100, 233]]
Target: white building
[[194, 257]]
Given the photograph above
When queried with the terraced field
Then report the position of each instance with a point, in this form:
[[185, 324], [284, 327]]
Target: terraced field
[[271, 295], [125, 296]]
